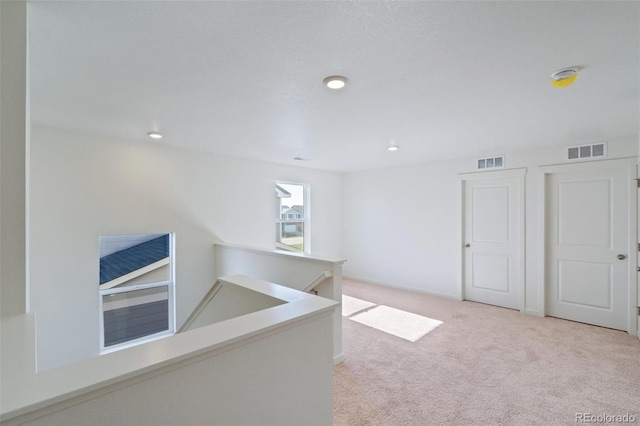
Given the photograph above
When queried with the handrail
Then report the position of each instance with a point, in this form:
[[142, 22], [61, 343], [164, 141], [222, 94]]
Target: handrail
[[317, 280], [203, 304]]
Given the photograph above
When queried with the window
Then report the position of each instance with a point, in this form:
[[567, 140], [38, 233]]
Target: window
[[136, 289], [292, 217]]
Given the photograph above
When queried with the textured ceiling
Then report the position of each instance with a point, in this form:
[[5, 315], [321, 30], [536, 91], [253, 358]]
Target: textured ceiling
[[244, 79]]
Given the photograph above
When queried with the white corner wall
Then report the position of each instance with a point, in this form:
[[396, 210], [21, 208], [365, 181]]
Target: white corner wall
[[402, 224], [84, 186]]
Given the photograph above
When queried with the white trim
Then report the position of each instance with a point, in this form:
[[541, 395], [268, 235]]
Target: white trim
[[171, 303], [586, 166], [636, 276], [460, 239], [632, 253], [542, 241], [402, 287], [520, 173], [203, 304], [598, 164], [523, 245], [135, 274], [306, 220], [533, 312], [134, 287], [477, 174], [317, 280]]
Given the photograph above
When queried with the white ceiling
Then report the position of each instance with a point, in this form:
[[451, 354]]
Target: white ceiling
[[244, 79]]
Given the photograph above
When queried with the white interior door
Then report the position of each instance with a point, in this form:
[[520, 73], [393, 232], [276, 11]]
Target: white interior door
[[587, 243], [493, 238]]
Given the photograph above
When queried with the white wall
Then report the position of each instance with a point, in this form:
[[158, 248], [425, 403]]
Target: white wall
[[84, 186], [401, 224]]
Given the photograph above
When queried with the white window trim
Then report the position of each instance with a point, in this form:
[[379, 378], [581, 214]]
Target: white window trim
[[306, 197], [170, 284]]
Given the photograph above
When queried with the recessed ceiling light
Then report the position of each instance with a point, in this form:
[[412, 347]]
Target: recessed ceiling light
[[335, 82], [392, 148], [301, 159], [155, 135]]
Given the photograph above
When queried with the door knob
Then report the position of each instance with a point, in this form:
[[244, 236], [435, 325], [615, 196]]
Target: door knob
[[467, 245], [621, 257]]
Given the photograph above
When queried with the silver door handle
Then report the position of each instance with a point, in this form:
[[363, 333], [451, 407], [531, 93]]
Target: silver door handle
[[467, 245], [621, 257]]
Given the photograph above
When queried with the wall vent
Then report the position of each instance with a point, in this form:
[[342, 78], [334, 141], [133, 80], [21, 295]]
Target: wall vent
[[593, 150], [491, 162]]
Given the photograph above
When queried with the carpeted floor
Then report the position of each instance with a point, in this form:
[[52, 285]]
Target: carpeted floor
[[483, 366]]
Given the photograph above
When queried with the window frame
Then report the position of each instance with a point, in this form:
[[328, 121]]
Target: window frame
[[305, 220], [171, 304]]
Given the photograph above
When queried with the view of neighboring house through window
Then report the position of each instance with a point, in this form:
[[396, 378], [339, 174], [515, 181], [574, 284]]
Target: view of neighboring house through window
[[136, 289], [292, 216]]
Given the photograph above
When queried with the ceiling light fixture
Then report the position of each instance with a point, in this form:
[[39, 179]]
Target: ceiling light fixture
[[335, 82], [154, 135], [564, 77], [392, 147]]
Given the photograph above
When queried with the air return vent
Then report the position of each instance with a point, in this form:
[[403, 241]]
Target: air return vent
[[491, 162], [594, 150]]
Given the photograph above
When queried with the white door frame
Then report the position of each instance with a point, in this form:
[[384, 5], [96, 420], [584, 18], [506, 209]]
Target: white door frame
[[632, 249], [464, 177]]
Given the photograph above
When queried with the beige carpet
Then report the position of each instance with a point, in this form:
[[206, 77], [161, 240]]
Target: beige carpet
[[483, 366]]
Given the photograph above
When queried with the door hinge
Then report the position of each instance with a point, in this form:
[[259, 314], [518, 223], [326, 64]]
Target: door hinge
[[637, 182], [639, 311], [638, 246]]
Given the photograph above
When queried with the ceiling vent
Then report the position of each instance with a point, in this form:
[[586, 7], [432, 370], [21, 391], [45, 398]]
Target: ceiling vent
[[491, 162], [593, 150]]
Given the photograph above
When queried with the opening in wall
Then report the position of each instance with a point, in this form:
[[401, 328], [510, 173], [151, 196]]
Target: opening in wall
[[136, 289], [292, 217]]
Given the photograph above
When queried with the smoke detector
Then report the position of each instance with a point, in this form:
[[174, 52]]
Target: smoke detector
[[564, 77]]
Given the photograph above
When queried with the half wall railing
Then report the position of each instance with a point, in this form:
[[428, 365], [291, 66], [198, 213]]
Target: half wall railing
[[299, 271]]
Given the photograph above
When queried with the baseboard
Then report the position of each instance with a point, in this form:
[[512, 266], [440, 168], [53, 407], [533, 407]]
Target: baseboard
[[338, 359], [402, 287], [534, 313]]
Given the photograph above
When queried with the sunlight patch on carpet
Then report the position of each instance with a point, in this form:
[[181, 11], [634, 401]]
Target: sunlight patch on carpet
[[351, 305], [400, 323]]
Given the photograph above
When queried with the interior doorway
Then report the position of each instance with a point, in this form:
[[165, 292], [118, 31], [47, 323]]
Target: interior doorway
[[588, 224], [493, 238]]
